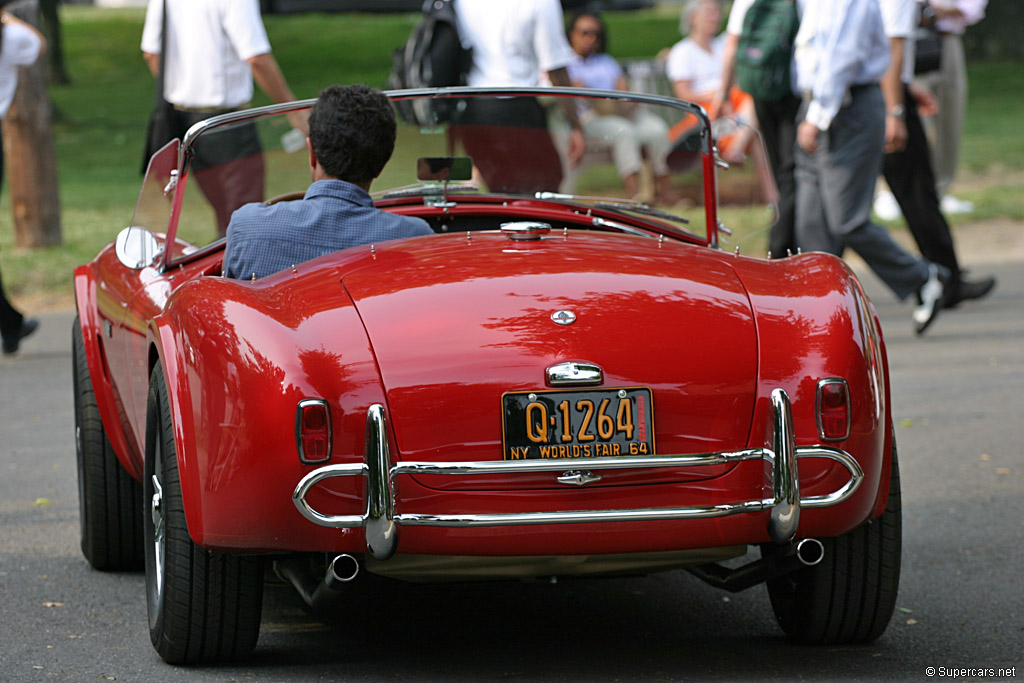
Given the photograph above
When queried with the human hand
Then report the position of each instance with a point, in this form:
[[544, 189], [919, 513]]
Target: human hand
[[927, 104], [807, 136], [577, 146], [300, 121], [719, 106], [895, 134]]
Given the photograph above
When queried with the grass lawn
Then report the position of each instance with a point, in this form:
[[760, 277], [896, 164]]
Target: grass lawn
[[100, 120]]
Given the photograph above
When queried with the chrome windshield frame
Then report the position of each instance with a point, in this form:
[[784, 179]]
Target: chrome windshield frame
[[187, 148]]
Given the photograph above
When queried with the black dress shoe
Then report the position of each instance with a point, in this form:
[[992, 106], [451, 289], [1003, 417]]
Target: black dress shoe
[[12, 341], [971, 289]]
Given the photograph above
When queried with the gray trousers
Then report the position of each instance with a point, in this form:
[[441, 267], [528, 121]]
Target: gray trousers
[[835, 187]]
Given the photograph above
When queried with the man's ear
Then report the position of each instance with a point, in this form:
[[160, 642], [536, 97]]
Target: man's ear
[[312, 154]]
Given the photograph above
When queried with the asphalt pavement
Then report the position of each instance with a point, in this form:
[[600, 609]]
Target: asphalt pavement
[[959, 417]]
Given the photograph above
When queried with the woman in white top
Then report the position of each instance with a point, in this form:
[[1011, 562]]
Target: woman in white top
[[631, 131], [20, 45], [695, 69]]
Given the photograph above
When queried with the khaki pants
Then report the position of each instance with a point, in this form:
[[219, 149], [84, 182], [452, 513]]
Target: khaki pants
[[949, 84]]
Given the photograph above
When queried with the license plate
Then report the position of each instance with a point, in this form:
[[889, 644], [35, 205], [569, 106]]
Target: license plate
[[577, 424]]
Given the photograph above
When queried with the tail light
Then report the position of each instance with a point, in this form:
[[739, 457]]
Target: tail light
[[833, 409], [313, 430]]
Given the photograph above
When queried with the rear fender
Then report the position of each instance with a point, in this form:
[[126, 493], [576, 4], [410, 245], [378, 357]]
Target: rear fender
[[85, 303], [237, 359], [819, 324]]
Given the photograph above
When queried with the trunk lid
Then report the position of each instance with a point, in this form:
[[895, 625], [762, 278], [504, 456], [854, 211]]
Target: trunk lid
[[456, 322]]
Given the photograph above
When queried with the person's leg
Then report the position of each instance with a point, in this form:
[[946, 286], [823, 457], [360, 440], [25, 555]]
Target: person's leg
[[952, 97], [778, 127], [909, 175], [10, 319], [618, 134], [901, 271], [228, 186], [652, 134], [229, 167], [849, 164], [812, 231]]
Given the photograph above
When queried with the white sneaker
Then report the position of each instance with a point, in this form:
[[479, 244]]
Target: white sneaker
[[886, 207], [930, 299], [951, 204]]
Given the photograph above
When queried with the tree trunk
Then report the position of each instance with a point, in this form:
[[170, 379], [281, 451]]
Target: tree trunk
[[29, 152], [54, 42]]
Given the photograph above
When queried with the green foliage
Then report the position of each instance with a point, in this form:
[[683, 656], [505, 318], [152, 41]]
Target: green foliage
[[992, 133]]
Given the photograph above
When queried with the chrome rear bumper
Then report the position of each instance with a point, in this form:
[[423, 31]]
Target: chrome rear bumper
[[381, 523]]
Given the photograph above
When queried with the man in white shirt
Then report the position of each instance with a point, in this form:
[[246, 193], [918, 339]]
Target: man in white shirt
[[907, 167], [513, 42], [841, 55], [214, 50]]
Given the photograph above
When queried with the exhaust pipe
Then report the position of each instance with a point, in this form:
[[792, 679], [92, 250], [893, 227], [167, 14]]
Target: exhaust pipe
[[804, 553], [810, 551], [318, 592]]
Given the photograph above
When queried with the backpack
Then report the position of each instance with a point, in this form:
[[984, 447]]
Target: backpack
[[765, 49], [433, 57]]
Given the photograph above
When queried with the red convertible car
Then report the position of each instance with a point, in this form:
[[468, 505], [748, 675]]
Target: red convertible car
[[561, 381]]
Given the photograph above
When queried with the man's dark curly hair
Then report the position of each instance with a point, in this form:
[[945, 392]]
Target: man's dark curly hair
[[352, 129]]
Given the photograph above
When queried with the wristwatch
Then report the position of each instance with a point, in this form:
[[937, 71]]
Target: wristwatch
[[898, 111]]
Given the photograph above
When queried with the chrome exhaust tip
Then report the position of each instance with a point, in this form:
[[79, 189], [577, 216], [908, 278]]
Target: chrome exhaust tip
[[810, 551], [342, 569]]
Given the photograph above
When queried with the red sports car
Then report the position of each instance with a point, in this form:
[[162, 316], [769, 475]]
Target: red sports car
[[560, 381]]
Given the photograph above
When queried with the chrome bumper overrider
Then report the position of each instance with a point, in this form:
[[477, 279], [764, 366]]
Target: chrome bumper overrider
[[381, 522]]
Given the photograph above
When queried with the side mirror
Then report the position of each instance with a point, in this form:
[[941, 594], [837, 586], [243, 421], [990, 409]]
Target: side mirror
[[136, 247]]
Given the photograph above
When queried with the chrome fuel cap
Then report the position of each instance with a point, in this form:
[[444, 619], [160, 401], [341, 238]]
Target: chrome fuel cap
[[525, 230]]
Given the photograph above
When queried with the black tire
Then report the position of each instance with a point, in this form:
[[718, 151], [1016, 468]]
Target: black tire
[[850, 595], [109, 500], [203, 606]]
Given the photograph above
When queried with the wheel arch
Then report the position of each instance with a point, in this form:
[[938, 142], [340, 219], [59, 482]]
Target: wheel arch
[[814, 321], [95, 357], [165, 355]]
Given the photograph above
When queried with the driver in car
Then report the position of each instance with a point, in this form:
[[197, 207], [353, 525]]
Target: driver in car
[[351, 138]]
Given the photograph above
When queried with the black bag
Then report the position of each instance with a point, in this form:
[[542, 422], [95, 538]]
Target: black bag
[[160, 129], [927, 50], [433, 57]]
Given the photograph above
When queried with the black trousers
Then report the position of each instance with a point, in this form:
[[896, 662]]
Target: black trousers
[[777, 121], [910, 176], [10, 319]]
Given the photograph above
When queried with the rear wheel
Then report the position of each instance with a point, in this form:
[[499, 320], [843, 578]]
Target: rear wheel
[[203, 606], [109, 500], [850, 595]]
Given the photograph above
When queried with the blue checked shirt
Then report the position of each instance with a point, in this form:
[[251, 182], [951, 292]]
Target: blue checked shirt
[[333, 215]]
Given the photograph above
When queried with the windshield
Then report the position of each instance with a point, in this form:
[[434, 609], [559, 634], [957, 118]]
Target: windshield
[[645, 158]]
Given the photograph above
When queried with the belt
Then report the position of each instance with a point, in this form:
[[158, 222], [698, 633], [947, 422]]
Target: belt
[[847, 96], [208, 110]]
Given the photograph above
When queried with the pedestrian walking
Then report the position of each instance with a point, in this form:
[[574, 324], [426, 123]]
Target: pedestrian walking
[[20, 45]]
